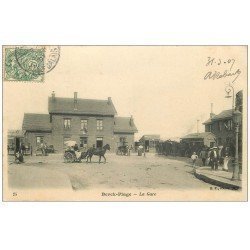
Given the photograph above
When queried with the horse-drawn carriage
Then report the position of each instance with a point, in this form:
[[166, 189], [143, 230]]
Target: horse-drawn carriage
[[71, 154], [122, 148]]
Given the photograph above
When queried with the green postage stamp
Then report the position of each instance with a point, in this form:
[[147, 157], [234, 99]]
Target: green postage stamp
[[29, 63], [24, 64]]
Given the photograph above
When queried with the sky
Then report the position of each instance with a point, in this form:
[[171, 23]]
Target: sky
[[163, 87]]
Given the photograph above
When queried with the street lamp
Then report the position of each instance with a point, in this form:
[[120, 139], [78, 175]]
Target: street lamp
[[236, 117], [229, 87], [237, 121]]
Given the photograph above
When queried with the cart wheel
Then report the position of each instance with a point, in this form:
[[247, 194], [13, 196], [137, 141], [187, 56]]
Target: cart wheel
[[68, 158]]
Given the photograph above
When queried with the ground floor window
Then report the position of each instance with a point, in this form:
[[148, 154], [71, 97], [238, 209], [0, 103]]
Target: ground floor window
[[99, 142], [83, 142], [123, 139], [39, 140]]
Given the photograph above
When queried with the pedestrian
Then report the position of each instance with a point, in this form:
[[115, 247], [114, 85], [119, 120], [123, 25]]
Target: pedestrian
[[45, 149], [225, 154], [42, 148], [19, 157], [214, 156], [140, 149], [194, 158], [203, 155], [76, 147]]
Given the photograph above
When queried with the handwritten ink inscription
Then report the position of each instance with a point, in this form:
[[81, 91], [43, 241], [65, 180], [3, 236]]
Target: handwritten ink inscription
[[224, 69]]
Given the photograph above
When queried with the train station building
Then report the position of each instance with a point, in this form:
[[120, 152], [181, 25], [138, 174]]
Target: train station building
[[88, 122], [221, 125]]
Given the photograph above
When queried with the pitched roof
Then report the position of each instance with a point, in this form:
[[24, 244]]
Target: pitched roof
[[207, 121], [150, 137], [222, 115], [124, 125], [36, 122], [198, 135], [84, 106]]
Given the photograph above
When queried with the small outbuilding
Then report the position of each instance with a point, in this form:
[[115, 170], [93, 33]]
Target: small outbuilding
[[150, 142], [199, 139], [15, 139]]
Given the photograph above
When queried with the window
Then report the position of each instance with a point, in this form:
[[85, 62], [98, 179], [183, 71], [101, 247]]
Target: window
[[99, 125], [39, 140], [210, 127], [207, 128], [83, 142], [84, 125], [67, 123], [228, 124], [219, 126]]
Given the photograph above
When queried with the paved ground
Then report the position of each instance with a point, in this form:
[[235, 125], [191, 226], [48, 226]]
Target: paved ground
[[219, 178], [132, 171]]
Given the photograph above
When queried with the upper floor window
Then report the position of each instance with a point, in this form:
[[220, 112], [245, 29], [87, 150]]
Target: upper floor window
[[84, 125], [228, 124], [66, 123], [210, 127], [99, 124]]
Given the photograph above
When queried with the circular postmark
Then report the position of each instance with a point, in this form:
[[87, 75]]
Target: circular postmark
[[52, 57], [37, 60]]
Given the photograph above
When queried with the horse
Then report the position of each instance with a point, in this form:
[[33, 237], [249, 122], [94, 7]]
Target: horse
[[97, 151]]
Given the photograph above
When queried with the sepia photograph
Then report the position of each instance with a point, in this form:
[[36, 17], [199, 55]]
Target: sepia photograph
[[124, 123]]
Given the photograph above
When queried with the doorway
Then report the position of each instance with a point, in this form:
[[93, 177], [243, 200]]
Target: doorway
[[17, 144], [99, 142], [146, 145]]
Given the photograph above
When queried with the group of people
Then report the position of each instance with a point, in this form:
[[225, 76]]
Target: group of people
[[44, 148], [213, 157]]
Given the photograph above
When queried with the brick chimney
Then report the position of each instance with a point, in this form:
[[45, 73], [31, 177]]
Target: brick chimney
[[75, 100], [53, 96], [212, 113]]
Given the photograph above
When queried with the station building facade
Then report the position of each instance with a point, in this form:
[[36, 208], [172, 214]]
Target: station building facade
[[88, 122]]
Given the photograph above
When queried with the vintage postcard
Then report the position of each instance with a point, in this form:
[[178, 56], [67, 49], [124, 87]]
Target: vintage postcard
[[124, 123]]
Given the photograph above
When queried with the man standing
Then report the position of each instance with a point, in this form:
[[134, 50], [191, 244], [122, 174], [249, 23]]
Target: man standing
[[203, 155], [214, 158]]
